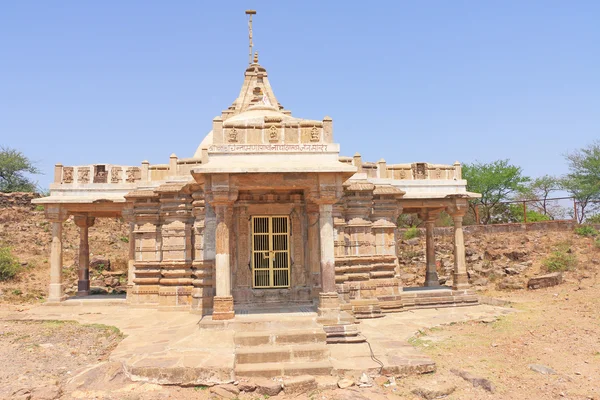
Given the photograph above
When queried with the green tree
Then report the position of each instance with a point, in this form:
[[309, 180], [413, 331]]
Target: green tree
[[496, 182], [583, 179], [537, 194], [13, 169]]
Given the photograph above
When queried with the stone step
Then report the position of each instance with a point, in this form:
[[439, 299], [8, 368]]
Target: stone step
[[270, 370], [265, 322], [259, 338], [278, 353]]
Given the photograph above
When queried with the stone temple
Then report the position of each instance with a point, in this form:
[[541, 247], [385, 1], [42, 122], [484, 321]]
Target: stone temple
[[266, 213]]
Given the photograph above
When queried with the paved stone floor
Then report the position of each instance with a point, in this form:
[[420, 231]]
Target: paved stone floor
[[169, 347]]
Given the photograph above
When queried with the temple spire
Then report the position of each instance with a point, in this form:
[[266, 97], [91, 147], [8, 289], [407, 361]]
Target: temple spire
[[250, 13]]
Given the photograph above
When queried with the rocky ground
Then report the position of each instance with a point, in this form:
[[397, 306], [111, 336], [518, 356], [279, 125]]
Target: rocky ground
[[549, 349]]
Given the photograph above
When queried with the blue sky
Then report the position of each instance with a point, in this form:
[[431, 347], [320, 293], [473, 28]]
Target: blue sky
[[119, 82]]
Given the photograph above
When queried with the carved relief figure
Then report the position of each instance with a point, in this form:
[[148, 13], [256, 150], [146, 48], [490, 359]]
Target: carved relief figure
[[233, 135], [273, 134], [83, 174], [314, 134], [419, 171], [67, 175], [115, 174], [133, 174]]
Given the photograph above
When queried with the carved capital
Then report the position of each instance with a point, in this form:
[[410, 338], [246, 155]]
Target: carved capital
[[84, 220], [55, 213], [430, 214]]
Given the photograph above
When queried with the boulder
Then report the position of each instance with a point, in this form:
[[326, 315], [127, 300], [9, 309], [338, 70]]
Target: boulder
[[299, 384], [102, 263], [412, 242], [516, 255], [246, 386], [543, 281], [480, 282]]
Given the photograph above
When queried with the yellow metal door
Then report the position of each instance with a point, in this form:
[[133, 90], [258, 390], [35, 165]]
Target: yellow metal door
[[270, 252]]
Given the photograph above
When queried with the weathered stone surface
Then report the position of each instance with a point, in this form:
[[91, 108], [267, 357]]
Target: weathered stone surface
[[327, 382], [246, 386], [480, 282], [345, 383], [299, 384], [434, 390], [475, 381], [267, 387], [543, 281], [100, 263], [413, 241], [542, 369], [231, 388], [221, 392], [509, 284]]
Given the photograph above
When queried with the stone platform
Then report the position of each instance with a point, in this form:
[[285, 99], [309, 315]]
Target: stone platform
[[180, 348]]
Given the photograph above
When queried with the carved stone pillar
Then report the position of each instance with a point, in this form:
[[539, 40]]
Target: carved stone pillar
[[223, 301], [84, 222], [431, 276], [131, 255], [328, 298], [314, 248], [56, 216], [460, 280]]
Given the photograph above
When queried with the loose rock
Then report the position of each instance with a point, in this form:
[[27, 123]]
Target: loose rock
[[542, 369], [475, 381], [345, 383]]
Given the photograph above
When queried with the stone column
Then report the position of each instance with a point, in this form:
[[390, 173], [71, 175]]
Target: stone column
[[223, 301], [328, 298], [56, 216], [314, 251], [460, 279], [431, 276], [84, 222], [131, 260]]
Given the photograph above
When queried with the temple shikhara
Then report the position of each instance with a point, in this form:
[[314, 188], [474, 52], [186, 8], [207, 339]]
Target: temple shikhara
[[266, 213]]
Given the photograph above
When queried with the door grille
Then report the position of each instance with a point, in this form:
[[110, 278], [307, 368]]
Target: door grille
[[270, 252]]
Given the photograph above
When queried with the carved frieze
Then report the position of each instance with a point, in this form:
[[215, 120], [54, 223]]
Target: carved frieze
[[133, 174], [273, 134], [115, 174], [233, 135], [83, 174], [314, 134], [67, 175]]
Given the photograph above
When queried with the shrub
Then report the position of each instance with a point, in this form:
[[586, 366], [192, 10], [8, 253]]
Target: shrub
[[411, 233], [594, 219], [9, 266], [560, 260], [586, 230]]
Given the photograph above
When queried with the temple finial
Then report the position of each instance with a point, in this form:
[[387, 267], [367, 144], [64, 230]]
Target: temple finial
[[256, 57], [250, 13]]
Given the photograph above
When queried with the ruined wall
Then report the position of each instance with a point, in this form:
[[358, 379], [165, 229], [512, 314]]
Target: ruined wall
[[17, 199]]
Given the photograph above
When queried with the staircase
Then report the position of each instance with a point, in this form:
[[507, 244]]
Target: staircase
[[281, 346]]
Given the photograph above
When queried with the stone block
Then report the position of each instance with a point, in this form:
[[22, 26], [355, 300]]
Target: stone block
[[223, 308], [267, 387], [299, 384], [543, 281]]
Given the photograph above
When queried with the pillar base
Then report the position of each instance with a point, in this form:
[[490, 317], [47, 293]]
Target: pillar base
[[460, 282], [223, 308], [56, 293], [432, 279], [83, 288]]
